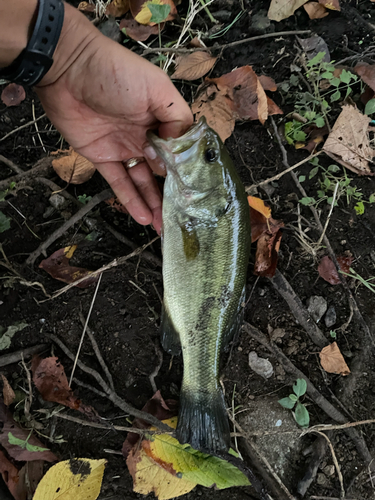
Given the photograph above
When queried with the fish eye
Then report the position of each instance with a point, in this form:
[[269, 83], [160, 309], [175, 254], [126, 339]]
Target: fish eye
[[210, 155]]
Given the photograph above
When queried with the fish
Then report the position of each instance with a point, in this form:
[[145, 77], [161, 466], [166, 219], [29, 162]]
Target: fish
[[205, 246]]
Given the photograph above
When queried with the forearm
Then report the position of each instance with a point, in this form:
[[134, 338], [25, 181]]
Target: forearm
[[17, 19]]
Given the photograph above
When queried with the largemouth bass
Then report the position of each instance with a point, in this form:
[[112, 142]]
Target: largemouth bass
[[205, 243]]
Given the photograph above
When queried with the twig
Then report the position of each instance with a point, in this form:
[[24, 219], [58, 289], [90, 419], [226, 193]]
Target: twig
[[226, 45], [98, 198], [28, 124], [16, 357], [29, 398], [41, 167], [330, 427], [97, 350], [111, 395], [329, 215], [341, 480], [36, 125], [114, 263], [248, 189], [84, 328], [11, 165], [312, 391], [89, 387], [152, 375]]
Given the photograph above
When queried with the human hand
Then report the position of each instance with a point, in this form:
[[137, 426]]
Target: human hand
[[103, 98]]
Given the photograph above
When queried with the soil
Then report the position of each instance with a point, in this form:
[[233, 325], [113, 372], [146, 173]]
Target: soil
[[126, 314]]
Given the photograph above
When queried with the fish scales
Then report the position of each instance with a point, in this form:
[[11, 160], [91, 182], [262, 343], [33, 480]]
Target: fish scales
[[206, 240]]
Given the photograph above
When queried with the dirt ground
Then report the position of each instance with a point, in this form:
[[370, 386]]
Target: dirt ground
[[126, 313]]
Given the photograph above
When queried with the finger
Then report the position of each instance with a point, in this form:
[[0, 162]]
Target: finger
[[148, 188], [155, 162], [121, 183]]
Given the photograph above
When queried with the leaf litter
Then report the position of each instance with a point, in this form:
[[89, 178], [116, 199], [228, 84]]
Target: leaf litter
[[193, 66], [13, 95], [327, 269], [72, 167], [333, 361]]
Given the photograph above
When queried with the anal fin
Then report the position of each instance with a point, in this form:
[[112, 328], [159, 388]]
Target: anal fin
[[170, 339]]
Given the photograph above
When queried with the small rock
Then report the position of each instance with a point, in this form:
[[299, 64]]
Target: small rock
[[317, 306], [48, 212], [91, 223], [260, 21], [330, 317], [329, 470], [322, 479], [57, 201], [261, 292], [223, 15], [261, 366]]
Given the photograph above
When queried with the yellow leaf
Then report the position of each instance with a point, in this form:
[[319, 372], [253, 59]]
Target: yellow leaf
[[78, 479], [144, 15], [258, 205]]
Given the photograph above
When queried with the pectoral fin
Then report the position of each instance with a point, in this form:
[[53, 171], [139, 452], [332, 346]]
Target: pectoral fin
[[170, 339], [190, 241]]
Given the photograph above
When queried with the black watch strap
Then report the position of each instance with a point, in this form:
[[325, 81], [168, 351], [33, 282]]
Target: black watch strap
[[34, 61]]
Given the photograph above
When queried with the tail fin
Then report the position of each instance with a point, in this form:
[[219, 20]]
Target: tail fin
[[203, 422]]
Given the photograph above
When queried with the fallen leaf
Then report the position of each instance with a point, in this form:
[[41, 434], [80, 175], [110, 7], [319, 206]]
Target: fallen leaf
[[327, 269], [86, 7], [8, 392], [281, 9], [313, 45], [193, 66], [268, 83], [333, 361], [79, 478], [115, 203], [142, 14], [331, 4], [259, 205], [50, 380], [197, 43], [57, 266], [11, 478], [13, 95], [367, 73], [137, 31], [17, 452], [73, 167], [315, 10], [184, 466], [238, 95], [6, 334], [117, 8], [348, 143]]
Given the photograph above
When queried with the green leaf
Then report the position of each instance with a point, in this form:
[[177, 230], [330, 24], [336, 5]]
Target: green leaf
[[327, 182], [285, 86], [17, 442], [12, 185], [83, 198], [319, 122], [370, 107], [313, 172], [330, 200], [314, 161], [327, 74], [287, 403], [294, 80], [316, 60], [359, 208], [320, 193], [3, 194], [348, 91], [325, 104], [302, 178], [293, 397], [30, 447], [335, 82], [6, 337], [159, 12], [372, 198], [336, 96], [299, 388], [299, 136], [333, 334], [333, 168], [4, 222], [302, 415], [346, 76], [307, 201]]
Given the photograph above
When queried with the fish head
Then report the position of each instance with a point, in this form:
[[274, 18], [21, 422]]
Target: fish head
[[196, 161]]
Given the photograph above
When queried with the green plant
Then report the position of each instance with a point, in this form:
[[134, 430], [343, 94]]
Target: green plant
[[24, 443], [83, 198], [300, 413], [356, 276], [4, 222], [333, 334]]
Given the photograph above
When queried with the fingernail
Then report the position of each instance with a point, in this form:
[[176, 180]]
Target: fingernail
[[150, 152]]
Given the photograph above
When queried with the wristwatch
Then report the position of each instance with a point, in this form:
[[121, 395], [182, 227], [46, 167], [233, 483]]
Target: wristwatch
[[36, 59]]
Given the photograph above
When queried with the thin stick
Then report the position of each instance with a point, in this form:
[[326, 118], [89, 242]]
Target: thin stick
[[278, 176], [15, 357], [227, 45], [36, 126], [41, 167], [329, 215], [97, 350], [28, 124], [341, 479], [84, 328], [11, 165], [329, 427]]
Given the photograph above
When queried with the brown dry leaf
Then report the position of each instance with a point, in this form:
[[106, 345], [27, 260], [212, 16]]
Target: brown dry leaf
[[20, 454], [73, 167], [8, 392], [13, 95], [137, 31], [57, 266], [281, 9], [11, 478], [86, 7], [327, 269], [193, 66], [315, 10], [142, 14], [348, 143], [367, 73], [117, 8], [50, 380], [333, 361], [331, 4], [268, 83], [115, 203], [196, 43]]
